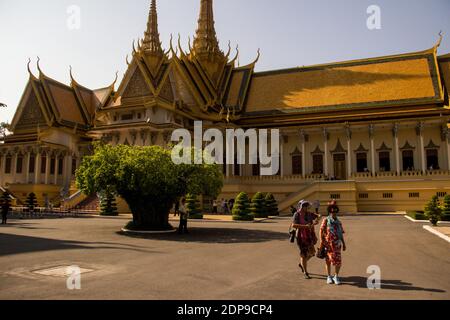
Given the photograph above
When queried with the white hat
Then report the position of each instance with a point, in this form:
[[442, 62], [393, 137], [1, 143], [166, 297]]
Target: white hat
[[302, 203]]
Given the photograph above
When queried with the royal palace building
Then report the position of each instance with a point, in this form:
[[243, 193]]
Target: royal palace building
[[371, 133]]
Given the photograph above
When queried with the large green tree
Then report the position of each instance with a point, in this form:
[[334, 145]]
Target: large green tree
[[147, 179]]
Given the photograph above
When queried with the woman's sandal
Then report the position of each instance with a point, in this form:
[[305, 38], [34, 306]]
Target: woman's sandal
[[307, 277]]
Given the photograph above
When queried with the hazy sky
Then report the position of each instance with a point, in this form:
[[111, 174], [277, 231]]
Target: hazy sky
[[289, 32]]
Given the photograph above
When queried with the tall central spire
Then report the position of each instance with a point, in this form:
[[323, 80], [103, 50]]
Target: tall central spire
[[205, 41], [151, 43]]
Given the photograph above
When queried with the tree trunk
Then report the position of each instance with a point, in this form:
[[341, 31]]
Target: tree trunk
[[149, 216]]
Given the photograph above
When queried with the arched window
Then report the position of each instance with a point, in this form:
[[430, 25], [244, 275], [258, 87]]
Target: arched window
[[385, 161], [317, 163], [19, 164], [361, 161], [8, 164], [432, 159], [408, 160], [296, 158]]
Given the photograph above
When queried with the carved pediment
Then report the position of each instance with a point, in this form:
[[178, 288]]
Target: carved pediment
[[136, 87], [32, 115]]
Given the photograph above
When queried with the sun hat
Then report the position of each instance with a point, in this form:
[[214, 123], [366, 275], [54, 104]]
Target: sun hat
[[302, 203]]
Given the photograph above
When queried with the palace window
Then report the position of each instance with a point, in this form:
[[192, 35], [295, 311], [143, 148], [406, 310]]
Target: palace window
[[384, 161], [52, 165], [32, 164], [43, 164], [408, 160], [237, 167], [432, 159], [74, 166], [19, 164], [256, 170], [8, 165], [361, 162], [297, 164], [317, 164], [60, 166], [127, 117]]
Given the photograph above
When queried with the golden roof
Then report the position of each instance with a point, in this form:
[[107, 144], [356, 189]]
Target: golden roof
[[393, 80]]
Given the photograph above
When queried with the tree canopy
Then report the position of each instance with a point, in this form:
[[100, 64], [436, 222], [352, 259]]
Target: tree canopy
[[147, 179]]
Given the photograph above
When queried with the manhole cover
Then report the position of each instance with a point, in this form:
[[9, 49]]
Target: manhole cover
[[61, 271]]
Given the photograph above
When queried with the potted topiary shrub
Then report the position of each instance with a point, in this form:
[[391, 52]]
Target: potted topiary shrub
[[432, 210], [258, 206], [445, 216], [193, 207], [241, 208], [271, 205], [31, 202], [108, 206]]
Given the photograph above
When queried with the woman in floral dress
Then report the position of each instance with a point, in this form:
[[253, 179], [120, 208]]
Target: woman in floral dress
[[304, 221], [332, 238]]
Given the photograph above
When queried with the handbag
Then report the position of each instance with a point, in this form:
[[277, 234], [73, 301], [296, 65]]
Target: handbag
[[322, 252]]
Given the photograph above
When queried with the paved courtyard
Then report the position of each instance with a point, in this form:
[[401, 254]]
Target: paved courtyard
[[217, 261]]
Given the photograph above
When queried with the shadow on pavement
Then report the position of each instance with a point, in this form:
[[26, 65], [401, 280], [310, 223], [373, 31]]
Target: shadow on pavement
[[361, 282], [217, 235], [16, 244]]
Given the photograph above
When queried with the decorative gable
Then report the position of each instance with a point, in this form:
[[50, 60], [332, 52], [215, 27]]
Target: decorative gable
[[32, 115], [137, 87]]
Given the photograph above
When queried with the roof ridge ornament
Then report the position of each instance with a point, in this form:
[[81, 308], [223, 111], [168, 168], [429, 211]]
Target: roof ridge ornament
[[151, 43], [29, 69]]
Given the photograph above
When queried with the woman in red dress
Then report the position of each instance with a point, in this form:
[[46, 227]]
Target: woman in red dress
[[332, 238]]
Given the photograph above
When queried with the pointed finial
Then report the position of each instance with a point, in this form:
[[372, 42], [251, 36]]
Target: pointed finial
[[38, 65], [151, 42], [179, 45], [205, 41], [115, 80], [441, 35]]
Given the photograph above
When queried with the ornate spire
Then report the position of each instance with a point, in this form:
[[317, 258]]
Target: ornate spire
[[205, 41], [151, 43]]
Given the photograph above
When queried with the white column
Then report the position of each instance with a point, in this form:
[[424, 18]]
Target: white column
[[282, 137], [47, 168], [372, 148], [303, 138], [349, 151], [68, 171], [423, 164], [395, 130], [37, 168], [326, 137], [56, 169]]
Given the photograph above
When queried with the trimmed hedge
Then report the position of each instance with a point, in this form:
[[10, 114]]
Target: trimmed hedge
[[271, 205], [258, 207], [193, 207], [416, 215], [241, 208]]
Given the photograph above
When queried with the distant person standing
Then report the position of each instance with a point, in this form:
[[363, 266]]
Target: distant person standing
[[177, 208], [214, 206], [225, 207], [231, 205], [5, 205], [184, 216]]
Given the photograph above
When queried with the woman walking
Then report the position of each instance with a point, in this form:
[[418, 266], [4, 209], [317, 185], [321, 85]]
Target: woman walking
[[304, 222], [184, 216], [332, 238]]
